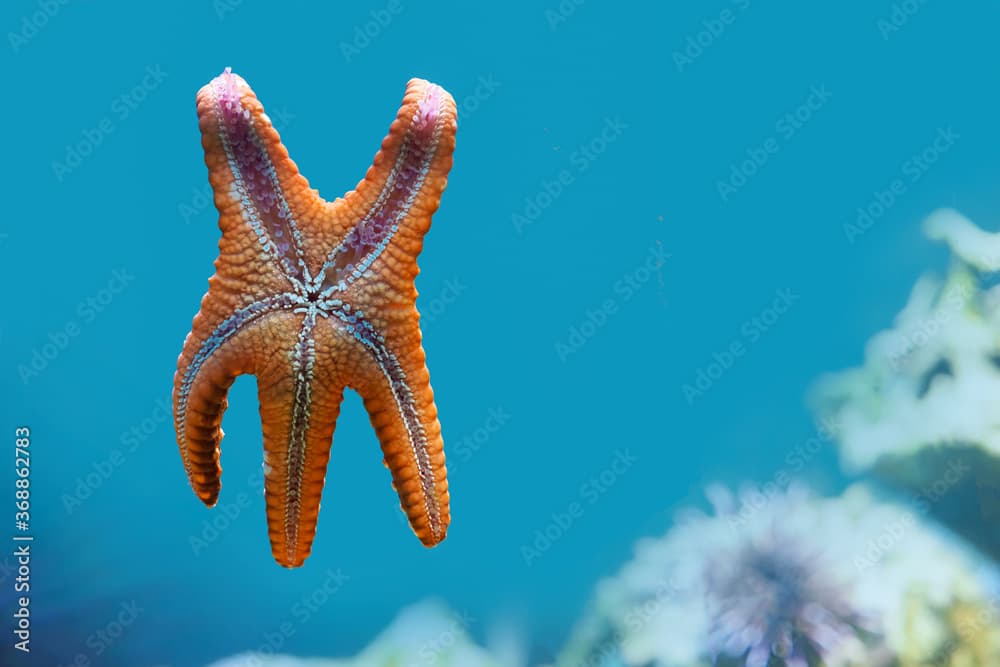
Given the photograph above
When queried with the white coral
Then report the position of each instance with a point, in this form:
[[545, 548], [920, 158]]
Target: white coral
[[425, 635], [933, 378]]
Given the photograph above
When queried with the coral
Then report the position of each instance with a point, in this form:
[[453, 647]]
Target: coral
[[933, 377], [427, 635], [793, 580], [923, 412]]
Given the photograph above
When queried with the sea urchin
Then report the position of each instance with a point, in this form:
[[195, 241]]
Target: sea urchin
[[773, 605]]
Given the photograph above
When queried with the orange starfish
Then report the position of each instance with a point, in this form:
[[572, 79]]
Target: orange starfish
[[311, 297]]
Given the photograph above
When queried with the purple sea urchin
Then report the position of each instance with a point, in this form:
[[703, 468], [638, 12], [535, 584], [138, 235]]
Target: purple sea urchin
[[773, 605]]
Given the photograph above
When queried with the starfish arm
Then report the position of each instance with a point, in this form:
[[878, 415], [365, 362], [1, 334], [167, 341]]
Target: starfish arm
[[300, 392], [218, 349], [394, 383], [266, 206], [401, 191]]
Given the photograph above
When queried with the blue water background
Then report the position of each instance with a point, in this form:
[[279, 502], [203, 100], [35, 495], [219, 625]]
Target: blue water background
[[535, 84]]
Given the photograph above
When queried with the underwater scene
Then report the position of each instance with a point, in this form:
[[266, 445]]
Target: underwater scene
[[556, 334]]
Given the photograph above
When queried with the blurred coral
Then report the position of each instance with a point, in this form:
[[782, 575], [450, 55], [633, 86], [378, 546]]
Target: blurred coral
[[923, 412], [425, 635], [932, 378]]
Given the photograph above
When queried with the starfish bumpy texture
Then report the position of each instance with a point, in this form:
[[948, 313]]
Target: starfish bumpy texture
[[311, 297]]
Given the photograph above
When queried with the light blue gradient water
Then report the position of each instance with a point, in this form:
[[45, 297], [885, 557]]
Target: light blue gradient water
[[560, 334]]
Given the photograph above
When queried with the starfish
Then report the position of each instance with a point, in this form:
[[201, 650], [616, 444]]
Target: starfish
[[311, 297]]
